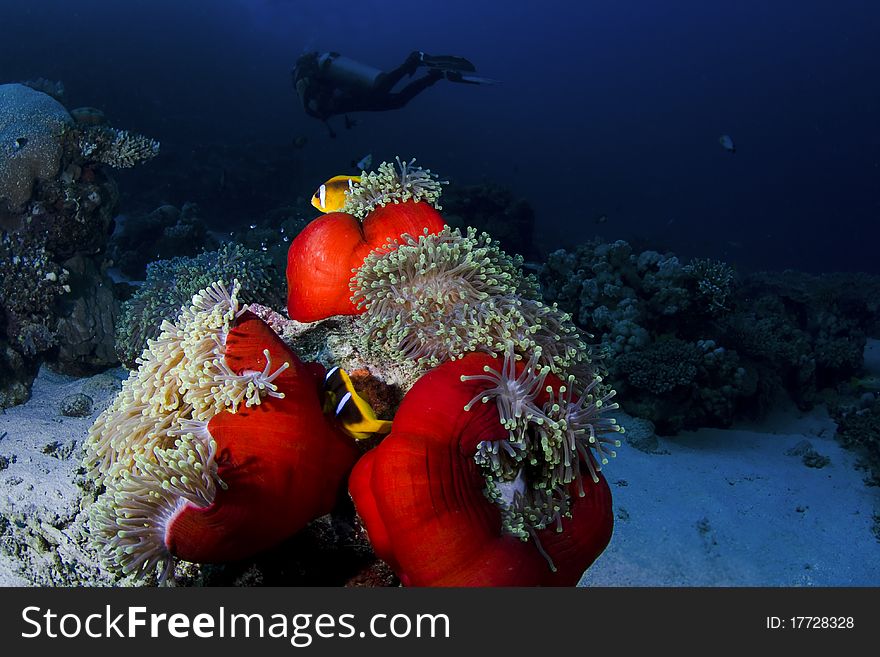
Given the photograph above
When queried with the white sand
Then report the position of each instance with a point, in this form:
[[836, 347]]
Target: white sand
[[40, 539], [731, 508]]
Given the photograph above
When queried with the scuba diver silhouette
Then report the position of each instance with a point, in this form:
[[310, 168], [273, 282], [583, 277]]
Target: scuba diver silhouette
[[329, 84]]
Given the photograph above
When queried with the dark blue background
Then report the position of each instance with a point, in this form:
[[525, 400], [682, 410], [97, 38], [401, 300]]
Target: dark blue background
[[608, 108]]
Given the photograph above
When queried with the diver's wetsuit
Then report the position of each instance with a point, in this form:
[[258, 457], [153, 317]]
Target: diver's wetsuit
[[330, 85]]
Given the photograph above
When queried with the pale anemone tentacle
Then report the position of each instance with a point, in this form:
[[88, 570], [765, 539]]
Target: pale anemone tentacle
[[390, 184], [528, 474], [250, 386], [437, 297], [152, 449]]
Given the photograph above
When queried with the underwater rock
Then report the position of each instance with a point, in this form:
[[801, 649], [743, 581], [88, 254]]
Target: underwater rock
[[810, 457], [76, 405], [88, 116], [164, 233], [86, 325]]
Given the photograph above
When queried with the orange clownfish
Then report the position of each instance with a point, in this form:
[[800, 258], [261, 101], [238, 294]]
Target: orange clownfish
[[330, 196]]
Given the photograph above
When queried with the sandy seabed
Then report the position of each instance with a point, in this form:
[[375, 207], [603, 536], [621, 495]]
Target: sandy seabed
[[714, 507]]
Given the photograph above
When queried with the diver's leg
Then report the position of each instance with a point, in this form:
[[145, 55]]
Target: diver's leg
[[386, 81], [413, 89]]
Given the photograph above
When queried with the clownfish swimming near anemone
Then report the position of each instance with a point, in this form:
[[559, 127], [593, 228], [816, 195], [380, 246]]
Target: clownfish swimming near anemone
[[362, 214], [355, 415], [330, 196]]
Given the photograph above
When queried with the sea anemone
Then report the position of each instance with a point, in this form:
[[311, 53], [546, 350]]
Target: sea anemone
[[481, 481], [390, 185], [170, 285], [323, 256], [216, 448], [434, 298]]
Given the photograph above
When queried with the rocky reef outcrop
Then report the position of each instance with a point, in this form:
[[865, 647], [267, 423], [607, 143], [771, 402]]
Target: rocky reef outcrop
[[57, 202]]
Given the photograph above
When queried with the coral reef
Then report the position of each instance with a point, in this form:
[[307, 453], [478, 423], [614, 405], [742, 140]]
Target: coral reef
[[31, 128], [30, 284], [170, 285], [692, 345], [220, 422], [859, 429], [493, 209], [56, 208], [166, 232]]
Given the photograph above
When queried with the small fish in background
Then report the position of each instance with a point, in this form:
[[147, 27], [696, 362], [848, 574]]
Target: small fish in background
[[364, 163], [299, 142], [20, 143], [330, 197], [353, 412], [727, 144], [350, 123], [601, 219]]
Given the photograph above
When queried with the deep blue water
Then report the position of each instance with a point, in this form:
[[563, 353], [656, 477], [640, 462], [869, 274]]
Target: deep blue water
[[610, 108]]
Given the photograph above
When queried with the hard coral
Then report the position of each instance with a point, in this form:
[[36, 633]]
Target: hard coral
[[30, 285], [217, 446], [480, 482], [31, 127], [116, 148]]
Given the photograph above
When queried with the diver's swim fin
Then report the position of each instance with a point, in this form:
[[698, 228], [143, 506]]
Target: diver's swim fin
[[455, 76], [446, 62]]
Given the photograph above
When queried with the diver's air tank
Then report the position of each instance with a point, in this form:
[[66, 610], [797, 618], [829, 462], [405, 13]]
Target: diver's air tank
[[347, 71]]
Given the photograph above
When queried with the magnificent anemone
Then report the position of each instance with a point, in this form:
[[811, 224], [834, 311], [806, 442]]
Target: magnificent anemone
[[219, 423], [480, 482], [393, 185], [434, 298]]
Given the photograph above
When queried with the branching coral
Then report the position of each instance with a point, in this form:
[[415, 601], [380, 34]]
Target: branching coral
[[393, 185], [171, 283], [714, 283], [119, 149], [438, 297]]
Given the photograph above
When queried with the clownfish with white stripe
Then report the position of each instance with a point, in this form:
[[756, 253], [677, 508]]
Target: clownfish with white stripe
[[354, 414], [330, 197]]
